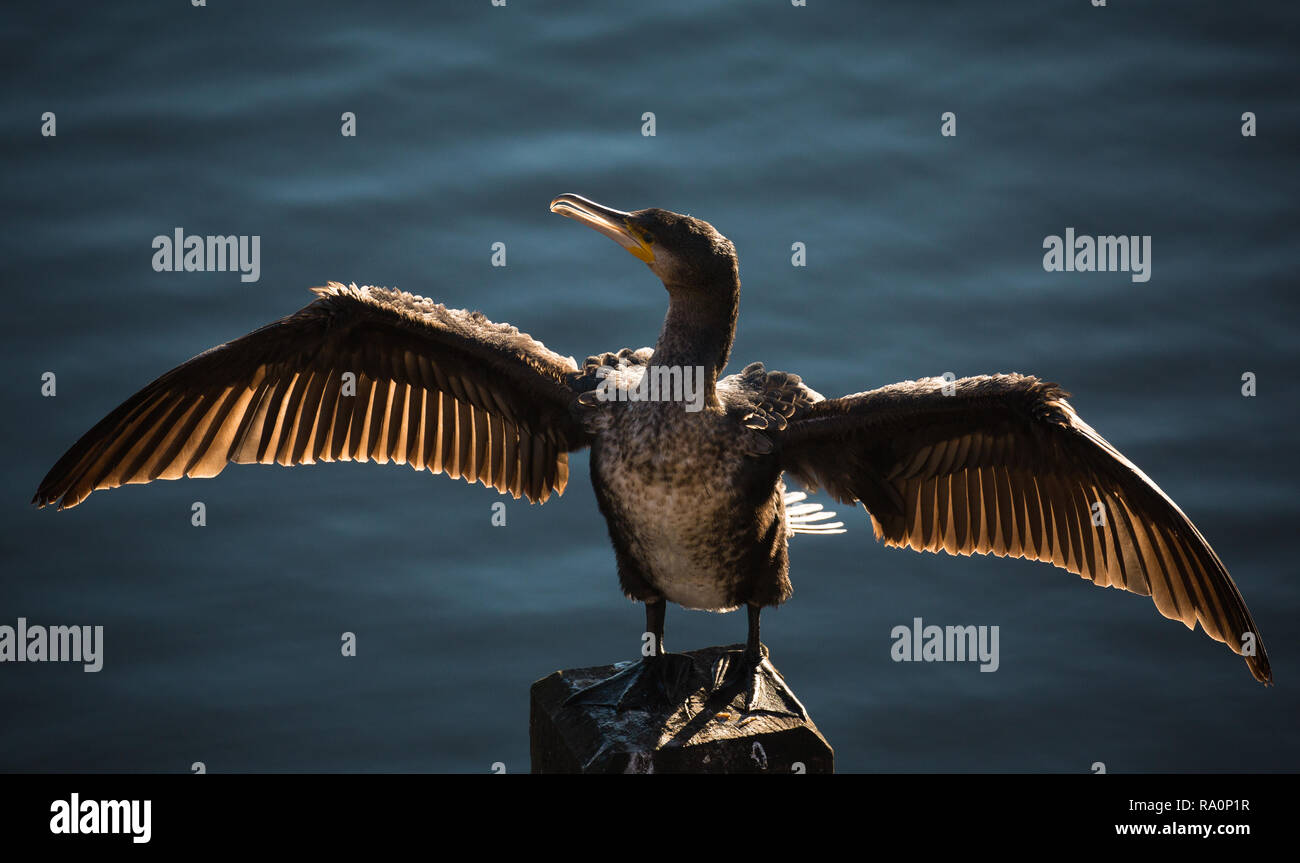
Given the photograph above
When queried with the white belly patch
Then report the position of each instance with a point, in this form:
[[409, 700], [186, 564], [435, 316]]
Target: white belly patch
[[672, 539]]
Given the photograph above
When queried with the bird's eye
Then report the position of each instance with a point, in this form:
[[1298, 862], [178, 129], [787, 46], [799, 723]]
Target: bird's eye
[[647, 239]]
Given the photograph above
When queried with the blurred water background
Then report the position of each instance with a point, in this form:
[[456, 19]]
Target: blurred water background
[[777, 124]]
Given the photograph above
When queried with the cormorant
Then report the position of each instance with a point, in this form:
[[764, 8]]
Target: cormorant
[[692, 490]]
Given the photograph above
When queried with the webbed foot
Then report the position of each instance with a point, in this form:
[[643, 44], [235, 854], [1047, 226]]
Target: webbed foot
[[755, 685], [654, 684]]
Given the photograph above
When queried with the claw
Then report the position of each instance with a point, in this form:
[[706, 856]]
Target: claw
[[753, 676], [652, 684]]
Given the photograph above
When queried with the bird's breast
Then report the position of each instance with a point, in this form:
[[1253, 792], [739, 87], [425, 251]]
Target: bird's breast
[[669, 490]]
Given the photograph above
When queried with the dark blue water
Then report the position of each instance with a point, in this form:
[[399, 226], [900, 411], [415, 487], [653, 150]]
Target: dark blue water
[[777, 124]]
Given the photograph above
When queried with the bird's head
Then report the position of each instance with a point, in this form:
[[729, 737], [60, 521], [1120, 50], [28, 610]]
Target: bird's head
[[686, 253]]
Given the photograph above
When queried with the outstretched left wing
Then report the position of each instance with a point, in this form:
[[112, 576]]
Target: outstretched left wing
[[1003, 465]]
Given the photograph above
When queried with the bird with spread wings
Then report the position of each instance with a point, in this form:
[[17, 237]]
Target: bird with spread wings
[[998, 465]]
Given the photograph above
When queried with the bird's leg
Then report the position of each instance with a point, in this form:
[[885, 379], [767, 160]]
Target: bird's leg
[[655, 612], [755, 652], [657, 682], [765, 690]]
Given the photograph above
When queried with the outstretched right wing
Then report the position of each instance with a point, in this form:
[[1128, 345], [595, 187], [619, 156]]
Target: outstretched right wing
[[360, 374]]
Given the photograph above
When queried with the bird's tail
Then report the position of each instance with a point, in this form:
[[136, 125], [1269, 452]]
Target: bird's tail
[[808, 517]]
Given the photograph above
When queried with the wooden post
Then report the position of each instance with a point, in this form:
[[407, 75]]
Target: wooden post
[[708, 732]]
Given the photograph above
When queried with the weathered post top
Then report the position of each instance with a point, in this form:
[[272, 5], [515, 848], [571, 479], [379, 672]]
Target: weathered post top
[[709, 731]]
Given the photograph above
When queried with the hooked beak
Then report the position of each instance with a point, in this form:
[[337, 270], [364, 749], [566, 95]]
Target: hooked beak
[[615, 224]]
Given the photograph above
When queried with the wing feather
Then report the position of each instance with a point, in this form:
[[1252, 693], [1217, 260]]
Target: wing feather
[[1003, 465], [361, 374]]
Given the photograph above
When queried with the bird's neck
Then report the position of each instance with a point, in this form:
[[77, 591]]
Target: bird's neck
[[698, 332]]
